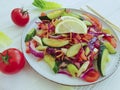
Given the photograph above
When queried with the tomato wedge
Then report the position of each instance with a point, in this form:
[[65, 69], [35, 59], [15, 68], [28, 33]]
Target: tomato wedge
[[91, 75]]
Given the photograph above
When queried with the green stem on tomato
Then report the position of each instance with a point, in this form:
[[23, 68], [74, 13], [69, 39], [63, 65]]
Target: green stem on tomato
[[5, 58]]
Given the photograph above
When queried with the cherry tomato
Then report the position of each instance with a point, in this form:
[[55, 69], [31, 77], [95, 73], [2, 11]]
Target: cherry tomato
[[91, 75], [11, 61], [19, 16]]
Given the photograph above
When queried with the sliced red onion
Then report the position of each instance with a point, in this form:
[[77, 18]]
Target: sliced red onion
[[50, 51], [51, 28], [35, 52], [91, 43]]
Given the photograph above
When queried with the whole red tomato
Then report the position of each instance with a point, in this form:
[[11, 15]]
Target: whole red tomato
[[11, 61], [19, 16]]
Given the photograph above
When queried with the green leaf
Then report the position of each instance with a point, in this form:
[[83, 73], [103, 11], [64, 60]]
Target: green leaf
[[46, 5], [4, 40]]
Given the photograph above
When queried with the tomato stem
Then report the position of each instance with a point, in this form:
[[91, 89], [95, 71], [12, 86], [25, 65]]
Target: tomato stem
[[24, 11], [5, 58]]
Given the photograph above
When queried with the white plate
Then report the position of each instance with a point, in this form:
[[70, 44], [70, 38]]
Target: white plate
[[43, 69]]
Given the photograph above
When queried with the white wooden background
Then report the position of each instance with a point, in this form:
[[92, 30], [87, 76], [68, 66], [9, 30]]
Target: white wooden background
[[28, 79]]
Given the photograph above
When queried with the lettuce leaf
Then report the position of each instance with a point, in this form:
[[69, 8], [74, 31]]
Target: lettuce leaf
[[46, 5], [4, 40]]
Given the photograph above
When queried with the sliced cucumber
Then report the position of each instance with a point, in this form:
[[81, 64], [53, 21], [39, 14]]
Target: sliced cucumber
[[55, 14], [110, 48], [70, 14], [87, 51], [88, 23], [73, 50], [41, 48], [30, 34], [44, 18], [83, 68], [83, 44], [38, 39], [56, 67], [50, 60], [54, 42], [103, 58], [72, 69]]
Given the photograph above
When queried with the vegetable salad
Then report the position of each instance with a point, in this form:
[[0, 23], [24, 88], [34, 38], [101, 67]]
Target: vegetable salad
[[72, 53]]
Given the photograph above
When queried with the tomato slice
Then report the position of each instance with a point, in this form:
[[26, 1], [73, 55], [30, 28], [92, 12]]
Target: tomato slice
[[111, 40], [91, 75]]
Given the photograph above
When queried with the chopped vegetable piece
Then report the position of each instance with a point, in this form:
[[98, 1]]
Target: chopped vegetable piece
[[72, 69], [50, 60], [110, 48], [41, 48], [56, 67], [30, 34], [73, 50], [55, 42], [88, 23], [83, 68], [103, 58], [55, 14], [91, 75]]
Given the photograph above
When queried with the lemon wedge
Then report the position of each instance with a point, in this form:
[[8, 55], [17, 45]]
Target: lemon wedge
[[71, 24]]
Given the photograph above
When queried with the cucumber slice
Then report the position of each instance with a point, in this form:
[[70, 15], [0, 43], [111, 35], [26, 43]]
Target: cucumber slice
[[72, 69], [87, 51], [110, 48], [41, 48], [50, 60], [83, 68], [38, 39], [31, 34], [70, 14], [103, 58], [56, 67], [88, 23], [54, 42], [73, 50], [44, 18], [55, 14]]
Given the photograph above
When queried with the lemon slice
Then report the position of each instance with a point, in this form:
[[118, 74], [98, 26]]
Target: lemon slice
[[71, 24]]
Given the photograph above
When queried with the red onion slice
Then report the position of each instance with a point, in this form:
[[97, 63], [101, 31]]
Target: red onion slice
[[35, 52]]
